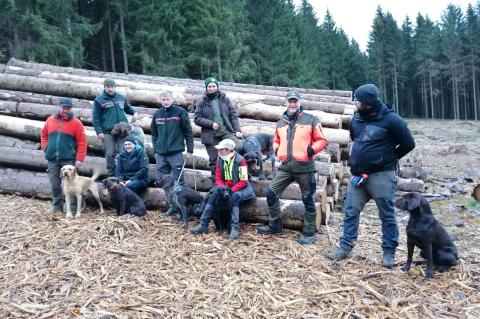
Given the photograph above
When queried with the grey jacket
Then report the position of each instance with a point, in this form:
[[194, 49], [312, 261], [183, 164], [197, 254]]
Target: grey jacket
[[204, 117]]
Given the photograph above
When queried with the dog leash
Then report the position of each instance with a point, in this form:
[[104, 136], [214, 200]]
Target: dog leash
[[194, 173], [181, 171]]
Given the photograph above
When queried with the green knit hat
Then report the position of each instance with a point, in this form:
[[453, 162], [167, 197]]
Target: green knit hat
[[109, 82], [210, 80]]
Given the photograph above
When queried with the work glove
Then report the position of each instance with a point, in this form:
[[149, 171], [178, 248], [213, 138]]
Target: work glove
[[310, 151]]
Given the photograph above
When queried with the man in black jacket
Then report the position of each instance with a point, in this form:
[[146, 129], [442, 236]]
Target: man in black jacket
[[217, 117], [380, 138], [171, 130]]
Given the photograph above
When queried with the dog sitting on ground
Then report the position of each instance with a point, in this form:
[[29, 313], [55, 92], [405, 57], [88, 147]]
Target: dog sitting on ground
[[187, 201], [123, 198], [122, 129], [253, 149], [75, 186], [222, 217], [425, 232]]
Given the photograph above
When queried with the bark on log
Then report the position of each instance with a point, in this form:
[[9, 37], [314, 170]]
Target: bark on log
[[13, 181], [155, 79], [35, 160], [183, 93]]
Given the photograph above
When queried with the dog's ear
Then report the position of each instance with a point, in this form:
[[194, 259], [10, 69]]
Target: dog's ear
[[75, 171], [61, 172], [413, 201]]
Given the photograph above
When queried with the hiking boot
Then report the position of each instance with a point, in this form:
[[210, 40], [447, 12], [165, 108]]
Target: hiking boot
[[306, 240], [234, 233], [388, 260], [200, 229], [266, 230], [170, 212], [339, 254]]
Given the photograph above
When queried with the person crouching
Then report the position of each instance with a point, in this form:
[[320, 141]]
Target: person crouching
[[231, 172]]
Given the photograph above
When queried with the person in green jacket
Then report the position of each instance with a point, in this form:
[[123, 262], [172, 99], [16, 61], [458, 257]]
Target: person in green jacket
[[110, 108], [171, 131]]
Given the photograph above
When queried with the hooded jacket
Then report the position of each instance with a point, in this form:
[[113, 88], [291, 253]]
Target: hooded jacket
[[109, 110], [133, 165]]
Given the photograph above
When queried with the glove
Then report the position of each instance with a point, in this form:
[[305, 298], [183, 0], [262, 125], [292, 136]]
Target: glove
[[310, 151], [357, 181]]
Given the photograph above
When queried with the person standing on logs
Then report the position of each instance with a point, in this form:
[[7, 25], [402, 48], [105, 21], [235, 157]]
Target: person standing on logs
[[108, 109], [64, 142], [217, 117], [297, 138], [380, 138]]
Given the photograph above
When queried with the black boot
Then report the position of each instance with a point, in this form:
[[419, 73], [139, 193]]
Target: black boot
[[202, 228]]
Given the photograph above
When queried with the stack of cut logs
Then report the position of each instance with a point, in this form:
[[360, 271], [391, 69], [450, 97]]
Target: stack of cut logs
[[29, 93]]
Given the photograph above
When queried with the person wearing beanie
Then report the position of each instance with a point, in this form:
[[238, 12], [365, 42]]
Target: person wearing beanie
[[171, 132], [380, 138], [64, 142], [110, 108], [132, 165], [217, 117], [298, 137], [232, 188]]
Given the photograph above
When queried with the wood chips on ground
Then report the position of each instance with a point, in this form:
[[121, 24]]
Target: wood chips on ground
[[126, 267]]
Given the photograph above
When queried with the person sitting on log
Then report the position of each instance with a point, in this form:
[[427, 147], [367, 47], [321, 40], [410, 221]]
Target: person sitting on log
[[380, 138], [108, 109], [132, 166], [171, 130], [297, 138], [232, 185], [217, 117], [64, 142]]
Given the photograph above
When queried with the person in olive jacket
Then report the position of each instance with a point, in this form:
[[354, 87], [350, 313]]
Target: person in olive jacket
[[108, 109], [132, 166], [217, 117], [171, 130]]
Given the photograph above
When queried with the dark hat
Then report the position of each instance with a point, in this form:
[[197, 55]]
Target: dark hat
[[210, 80], [109, 82], [368, 94], [130, 138], [293, 95], [64, 102]]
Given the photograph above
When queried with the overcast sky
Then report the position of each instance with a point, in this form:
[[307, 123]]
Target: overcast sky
[[355, 17]]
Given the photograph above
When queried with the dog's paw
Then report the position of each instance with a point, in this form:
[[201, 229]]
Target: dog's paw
[[69, 215], [405, 267], [429, 274]]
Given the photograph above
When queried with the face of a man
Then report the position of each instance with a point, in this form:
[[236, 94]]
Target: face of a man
[[361, 107], [212, 87], [64, 111], [110, 89], [292, 106], [166, 101], [223, 151]]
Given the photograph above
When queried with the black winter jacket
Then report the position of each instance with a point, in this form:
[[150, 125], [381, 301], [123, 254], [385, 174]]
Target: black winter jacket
[[378, 142]]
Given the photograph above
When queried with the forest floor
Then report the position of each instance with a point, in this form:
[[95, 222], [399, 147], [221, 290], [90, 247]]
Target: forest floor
[[126, 267]]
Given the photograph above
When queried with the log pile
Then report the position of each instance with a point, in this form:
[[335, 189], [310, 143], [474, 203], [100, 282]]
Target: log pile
[[30, 92]]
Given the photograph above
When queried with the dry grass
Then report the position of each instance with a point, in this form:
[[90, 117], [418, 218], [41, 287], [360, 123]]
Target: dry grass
[[111, 267]]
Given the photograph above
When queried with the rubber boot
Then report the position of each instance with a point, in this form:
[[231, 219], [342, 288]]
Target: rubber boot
[[275, 225]]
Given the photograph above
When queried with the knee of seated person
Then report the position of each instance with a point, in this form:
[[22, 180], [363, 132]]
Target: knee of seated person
[[236, 198], [271, 197]]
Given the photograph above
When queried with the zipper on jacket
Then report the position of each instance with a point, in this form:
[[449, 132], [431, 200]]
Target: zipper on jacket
[[57, 142]]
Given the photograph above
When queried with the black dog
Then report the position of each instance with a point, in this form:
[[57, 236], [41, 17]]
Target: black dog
[[186, 200], [254, 147], [123, 198], [221, 212], [425, 232]]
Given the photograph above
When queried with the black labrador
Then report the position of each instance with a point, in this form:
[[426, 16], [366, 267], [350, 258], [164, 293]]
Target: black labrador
[[221, 212], [425, 232], [186, 200], [253, 149], [123, 198]]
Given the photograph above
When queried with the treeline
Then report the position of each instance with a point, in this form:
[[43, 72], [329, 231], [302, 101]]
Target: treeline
[[425, 68]]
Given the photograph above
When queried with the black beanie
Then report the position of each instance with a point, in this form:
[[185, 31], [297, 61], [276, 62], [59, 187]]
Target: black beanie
[[368, 94], [130, 138]]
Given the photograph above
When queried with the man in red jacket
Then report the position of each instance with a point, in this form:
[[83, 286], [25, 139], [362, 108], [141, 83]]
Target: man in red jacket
[[231, 172], [64, 142]]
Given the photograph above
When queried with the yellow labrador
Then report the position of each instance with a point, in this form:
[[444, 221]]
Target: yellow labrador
[[75, 185]]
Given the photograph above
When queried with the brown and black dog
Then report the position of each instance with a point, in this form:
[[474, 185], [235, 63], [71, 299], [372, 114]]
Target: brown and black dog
[[425, 232]]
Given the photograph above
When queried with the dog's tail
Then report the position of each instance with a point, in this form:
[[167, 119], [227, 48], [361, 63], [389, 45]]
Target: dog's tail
[[97, 172]]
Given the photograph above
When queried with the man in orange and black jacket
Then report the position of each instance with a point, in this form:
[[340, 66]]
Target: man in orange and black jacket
[[298, 137]]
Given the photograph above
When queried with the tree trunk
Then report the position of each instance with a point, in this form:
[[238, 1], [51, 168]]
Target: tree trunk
[[124, 42], [474, 86], [13, 181], [110, 40], [431, 94]]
